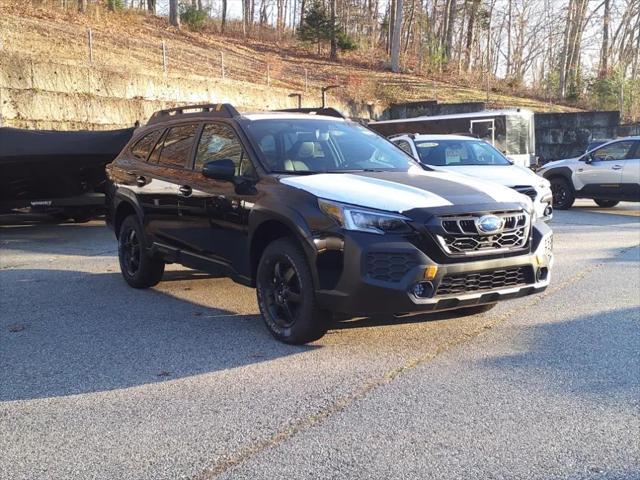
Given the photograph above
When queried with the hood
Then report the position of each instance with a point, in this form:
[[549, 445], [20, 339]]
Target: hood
[[508, 175], [561, 163], [404, 191]]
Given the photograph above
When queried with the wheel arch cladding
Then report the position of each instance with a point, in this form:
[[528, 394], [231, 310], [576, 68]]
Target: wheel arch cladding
[[265, 233], [123, 210], [564, 172]]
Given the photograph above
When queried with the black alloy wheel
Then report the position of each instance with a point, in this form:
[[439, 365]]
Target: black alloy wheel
[[138, 267], [283, 292], [606, 203], [130, 248], [286, 294], [563, 196]]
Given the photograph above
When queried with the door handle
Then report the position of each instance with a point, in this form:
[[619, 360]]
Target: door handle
[[616, 167], [185, 190], [141, 181]]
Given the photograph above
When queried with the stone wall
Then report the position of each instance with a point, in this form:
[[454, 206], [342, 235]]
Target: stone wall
[[566, 135], [429, 108], [47, 95]]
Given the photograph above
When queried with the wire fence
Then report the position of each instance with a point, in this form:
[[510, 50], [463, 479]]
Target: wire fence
[[171, 57]]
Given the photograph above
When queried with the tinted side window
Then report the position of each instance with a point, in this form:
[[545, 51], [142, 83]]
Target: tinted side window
[[155, 154], [218, 142], [177, 146], [143, 147], [404, 145], [614, 151]]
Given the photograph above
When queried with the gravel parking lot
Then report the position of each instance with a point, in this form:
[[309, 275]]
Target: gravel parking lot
[[98, 380]]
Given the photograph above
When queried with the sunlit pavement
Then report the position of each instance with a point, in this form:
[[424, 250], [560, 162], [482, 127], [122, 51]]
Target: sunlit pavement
[[98, 380]]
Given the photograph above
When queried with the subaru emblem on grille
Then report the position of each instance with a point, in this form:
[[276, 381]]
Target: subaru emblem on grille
[[489, 224]]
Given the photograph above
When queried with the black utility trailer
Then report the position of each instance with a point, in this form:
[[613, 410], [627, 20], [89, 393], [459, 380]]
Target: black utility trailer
[[62, 173]]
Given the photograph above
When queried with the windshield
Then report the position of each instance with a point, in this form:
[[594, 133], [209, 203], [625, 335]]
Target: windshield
[[452, 153], [317, 145]]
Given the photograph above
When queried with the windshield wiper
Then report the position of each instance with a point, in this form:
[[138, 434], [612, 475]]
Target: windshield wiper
[[360, 170], [296, 172]]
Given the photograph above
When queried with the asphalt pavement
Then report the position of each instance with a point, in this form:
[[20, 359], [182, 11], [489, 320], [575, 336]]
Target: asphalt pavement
[[98, 380]]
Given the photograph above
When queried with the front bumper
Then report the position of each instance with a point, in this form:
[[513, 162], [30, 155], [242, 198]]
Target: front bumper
[[543, 205], [358, 292]]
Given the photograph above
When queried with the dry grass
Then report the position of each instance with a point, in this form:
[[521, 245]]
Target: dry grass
[[131, 42]]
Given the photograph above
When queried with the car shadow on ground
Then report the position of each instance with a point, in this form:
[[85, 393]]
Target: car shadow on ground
[[594, 355], [69, 332], [110, 336], [57, 239]]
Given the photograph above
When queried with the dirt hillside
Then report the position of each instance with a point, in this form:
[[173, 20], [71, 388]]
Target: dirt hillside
[[48, 78]]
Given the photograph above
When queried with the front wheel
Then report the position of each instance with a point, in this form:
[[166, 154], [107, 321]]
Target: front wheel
[[138, 268], [286, 295], [606, 203], [563, 196]]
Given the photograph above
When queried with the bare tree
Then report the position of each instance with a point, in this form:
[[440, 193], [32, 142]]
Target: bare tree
[[223, 23], [396, 38], [174, 17], [82, 6], [334, 41]]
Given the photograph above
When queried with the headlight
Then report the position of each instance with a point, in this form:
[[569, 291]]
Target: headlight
[[363, 220]]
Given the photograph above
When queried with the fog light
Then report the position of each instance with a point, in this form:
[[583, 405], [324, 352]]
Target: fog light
[[541, 274], [423, 289], [430, 272]]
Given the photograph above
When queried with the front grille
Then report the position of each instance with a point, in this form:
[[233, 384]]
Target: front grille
[[462, 237], [527, 190], [488, 280], [388, 267]]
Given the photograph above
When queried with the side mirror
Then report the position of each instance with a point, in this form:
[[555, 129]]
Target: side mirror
[[586, 158], [223, 169]]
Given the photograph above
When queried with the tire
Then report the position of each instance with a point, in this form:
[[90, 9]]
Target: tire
[[606, 203], [139, 269], [286, 294], [475, 310], [563, 194]]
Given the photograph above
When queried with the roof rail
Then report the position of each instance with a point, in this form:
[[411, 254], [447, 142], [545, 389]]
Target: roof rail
[[220, 110], [326, 111]]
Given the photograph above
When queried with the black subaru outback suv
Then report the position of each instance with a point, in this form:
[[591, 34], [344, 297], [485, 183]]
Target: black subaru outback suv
[[321, 215]]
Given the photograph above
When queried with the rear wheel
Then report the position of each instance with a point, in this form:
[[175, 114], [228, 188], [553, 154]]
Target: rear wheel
[[606, 203], [563, 196], [286, 295], [138, 268]]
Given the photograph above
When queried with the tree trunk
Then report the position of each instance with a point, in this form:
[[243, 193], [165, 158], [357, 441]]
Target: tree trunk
[[302, 6], [470, 34], [395, 39], [174, 17], [223, 24], [82, 6], [333, 54], [604, 51], [151, 6], [451, 20], [509, 38]]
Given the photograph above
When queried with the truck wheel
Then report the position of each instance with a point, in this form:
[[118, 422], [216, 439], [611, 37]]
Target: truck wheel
[[286, 295], [138, 268], [606, 203], [563, 196]]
